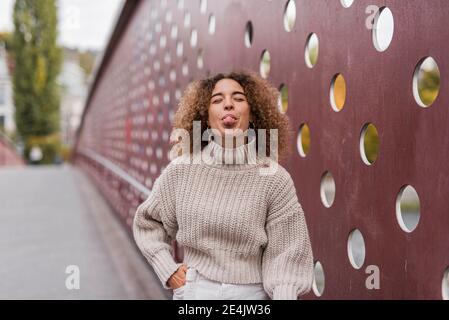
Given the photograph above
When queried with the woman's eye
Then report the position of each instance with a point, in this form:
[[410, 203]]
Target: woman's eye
[[217, 101]]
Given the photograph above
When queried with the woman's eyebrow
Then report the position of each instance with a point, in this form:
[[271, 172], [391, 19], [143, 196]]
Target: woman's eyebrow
[[233, 93]]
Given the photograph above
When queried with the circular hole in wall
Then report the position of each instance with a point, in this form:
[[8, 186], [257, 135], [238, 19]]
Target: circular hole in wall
[[408, 208], [346, 3], [445, 285], [426, 82], [248, 34], [356, 249], [327, 189], [303, 140], [212, 24], [265, 64], [338, 92], [369, 144], [311, 51], [318, 279], [283, 98], [289, 15], [383, 29], [194, 38]]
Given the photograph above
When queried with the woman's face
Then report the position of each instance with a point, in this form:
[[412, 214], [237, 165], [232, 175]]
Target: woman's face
[[229, 109]]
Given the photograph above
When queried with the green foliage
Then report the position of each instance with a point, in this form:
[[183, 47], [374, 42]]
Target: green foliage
[[429, 84], [38, 63], [313, 55], [371, 143], [87, 62], [6, 39], [305, 138], [66, 152]]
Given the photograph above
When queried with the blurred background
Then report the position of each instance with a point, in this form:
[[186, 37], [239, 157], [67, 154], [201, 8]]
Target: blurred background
[[59, 238], [48, 52]]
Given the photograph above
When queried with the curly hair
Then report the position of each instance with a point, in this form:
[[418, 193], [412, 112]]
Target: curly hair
[[262, 98]]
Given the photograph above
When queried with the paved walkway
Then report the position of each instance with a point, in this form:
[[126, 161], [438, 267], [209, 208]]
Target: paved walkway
[[52, 217]]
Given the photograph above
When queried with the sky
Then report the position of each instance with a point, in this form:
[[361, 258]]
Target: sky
[[85, 24]]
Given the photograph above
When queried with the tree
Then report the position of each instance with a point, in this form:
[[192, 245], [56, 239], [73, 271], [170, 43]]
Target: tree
[[87, 62], [38, 63], [5, 38]]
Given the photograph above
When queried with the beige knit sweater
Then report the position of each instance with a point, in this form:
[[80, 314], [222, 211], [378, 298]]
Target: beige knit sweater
[[236, 224]]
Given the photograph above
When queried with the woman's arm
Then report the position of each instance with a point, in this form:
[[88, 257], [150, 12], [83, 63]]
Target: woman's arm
[[155, 226], [287, 263]]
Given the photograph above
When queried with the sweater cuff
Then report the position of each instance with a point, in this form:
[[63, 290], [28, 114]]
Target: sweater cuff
[[164, 265], [285, 292]]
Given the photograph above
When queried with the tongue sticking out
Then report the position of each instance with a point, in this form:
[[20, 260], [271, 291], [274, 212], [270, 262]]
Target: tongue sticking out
[[229, 121]]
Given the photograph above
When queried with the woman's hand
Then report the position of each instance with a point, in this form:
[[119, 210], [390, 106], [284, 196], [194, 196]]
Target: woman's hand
[[178, 279]]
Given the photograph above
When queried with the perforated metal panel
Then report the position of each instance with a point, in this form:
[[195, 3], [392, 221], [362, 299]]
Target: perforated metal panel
[[127, 122]]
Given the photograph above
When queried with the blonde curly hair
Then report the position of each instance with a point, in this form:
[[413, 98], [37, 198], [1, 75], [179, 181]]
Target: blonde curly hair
[[262, 99]]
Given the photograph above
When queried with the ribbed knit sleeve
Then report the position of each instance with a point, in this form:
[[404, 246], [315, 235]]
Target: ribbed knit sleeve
[[287, 262], [155, 226]]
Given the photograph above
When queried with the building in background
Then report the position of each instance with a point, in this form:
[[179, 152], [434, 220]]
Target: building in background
[[73, 94], [7, 122], [73, 79]]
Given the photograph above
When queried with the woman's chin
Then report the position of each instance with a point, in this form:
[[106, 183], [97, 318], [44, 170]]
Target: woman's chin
[[234, 132]]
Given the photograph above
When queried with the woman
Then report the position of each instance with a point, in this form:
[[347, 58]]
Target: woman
[[242, 229]]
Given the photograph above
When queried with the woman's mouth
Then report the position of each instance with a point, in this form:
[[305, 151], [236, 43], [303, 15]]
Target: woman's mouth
[[229, 121]]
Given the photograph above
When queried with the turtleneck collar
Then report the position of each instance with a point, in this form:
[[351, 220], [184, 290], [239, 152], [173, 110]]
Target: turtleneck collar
[[241, 157]]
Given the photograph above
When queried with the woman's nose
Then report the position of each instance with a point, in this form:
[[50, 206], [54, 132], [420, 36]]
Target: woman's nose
[[228, 104]]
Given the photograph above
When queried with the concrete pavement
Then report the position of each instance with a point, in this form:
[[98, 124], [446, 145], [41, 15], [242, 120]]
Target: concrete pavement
[[52, 217]]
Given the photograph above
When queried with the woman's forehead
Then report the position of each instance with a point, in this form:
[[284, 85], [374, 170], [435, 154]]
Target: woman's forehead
[[227, 85]]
